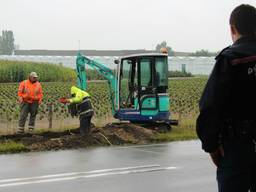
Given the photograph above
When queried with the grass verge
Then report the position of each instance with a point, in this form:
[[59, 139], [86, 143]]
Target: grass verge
[[184, 131], [12, 147]]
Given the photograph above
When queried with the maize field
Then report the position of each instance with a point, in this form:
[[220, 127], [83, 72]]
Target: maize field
[[16, 71]]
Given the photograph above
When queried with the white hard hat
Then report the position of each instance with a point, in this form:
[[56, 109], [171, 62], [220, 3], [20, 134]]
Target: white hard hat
[[33, 74]]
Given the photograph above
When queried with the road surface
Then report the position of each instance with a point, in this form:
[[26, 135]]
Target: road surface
[[172, 167]]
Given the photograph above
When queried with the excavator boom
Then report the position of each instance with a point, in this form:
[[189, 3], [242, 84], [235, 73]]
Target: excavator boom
[[106, 72]]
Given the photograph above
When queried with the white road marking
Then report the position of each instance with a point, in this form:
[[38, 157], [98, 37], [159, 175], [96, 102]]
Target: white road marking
[[147, 145], [138, 148], [147, 151], [80, 175]]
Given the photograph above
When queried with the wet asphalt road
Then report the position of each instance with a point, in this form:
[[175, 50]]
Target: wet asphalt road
[[176, 167]]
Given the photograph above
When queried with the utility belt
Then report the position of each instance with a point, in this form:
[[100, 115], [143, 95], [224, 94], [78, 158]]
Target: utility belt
[[84, 108], [239, 130]]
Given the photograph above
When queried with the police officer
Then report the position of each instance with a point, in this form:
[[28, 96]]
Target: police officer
[[82, 104], [227, 121]]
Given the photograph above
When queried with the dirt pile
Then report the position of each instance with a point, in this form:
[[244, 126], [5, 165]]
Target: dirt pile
[[128, 133], [111, 134]]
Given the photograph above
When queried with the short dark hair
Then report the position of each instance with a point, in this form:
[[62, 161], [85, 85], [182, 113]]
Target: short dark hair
[[243, 18]]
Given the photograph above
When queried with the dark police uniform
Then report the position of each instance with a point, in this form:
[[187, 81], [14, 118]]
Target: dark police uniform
[[228, 115]]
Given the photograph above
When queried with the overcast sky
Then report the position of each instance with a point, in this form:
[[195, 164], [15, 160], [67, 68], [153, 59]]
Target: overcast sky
[[186, 25]]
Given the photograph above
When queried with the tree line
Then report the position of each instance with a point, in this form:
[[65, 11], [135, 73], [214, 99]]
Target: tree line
[[7, 46], [204, 53], [198, 53]]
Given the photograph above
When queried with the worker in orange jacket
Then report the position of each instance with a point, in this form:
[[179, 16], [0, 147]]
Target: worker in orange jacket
[[30, 95]]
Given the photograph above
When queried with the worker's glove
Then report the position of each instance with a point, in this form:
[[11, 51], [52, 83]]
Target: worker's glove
[[63, 100]]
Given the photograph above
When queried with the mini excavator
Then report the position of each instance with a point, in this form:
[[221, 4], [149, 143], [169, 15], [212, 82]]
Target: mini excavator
[[138, 88]]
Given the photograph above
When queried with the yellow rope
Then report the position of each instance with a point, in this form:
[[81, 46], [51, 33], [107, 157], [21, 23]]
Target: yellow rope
[[106, 139]]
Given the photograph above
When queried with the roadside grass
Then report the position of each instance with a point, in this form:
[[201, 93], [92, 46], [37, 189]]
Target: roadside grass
[[184, 131], [12, 147]]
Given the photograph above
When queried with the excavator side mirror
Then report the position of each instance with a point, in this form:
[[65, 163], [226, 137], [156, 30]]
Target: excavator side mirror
[[116, 61]]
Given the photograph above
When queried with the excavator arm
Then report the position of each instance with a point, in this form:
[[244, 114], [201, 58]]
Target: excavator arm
[[106, 72]]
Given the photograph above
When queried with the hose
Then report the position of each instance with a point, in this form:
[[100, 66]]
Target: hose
[[106, 139]]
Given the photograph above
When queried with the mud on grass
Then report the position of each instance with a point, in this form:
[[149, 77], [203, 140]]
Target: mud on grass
[[111, 134]]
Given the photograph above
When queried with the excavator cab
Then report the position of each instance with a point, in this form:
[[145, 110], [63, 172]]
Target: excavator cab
[[143, 88]]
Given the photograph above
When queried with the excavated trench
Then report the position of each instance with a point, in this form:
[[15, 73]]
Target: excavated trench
[[111, 134]]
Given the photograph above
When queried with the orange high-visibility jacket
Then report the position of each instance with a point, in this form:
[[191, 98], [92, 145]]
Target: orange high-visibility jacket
[[30, 92]]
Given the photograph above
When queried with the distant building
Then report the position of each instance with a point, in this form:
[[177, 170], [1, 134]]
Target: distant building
[[16, 47], [88, 52], [84, 52]]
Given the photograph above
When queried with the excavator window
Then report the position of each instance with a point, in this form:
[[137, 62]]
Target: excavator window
[[145, 73], [161, 68], [161, 78], [126, 83]]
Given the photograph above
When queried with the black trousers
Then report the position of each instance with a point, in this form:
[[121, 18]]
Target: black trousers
[[25, 109], [237, 169], [85, 124]]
